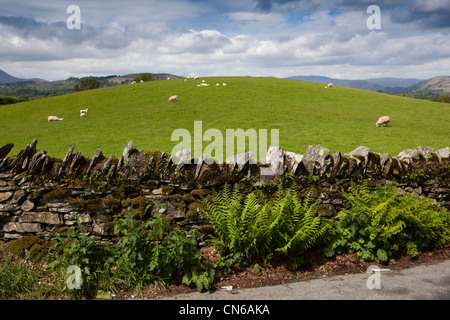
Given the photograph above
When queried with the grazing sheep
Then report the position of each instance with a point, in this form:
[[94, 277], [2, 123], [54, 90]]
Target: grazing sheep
[[385, 120], [196, 78], [224, 84], [83, 115], [173, 98], [84, 111], [54, 118]]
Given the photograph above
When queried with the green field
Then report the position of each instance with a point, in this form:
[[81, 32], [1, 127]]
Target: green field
[[305, 113]]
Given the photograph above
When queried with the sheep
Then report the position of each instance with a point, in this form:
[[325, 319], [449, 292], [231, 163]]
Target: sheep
[[84, 111], [54, 118], [83, 115], [224, 84], [385, 120], [329, 85], [173, 98], [196, 78]]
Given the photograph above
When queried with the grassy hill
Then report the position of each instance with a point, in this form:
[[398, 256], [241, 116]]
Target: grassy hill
[[306, 113]]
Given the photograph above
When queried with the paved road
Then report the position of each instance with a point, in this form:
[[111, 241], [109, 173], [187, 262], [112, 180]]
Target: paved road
[[425, 282]]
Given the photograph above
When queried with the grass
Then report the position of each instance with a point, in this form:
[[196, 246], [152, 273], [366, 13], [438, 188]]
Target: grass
[[305, 113]]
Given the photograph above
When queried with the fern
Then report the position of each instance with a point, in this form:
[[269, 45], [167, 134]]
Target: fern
[[253, 226], [380, 223], [305, 226]]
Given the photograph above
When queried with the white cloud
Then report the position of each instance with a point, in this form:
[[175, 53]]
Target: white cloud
[[185, 37]]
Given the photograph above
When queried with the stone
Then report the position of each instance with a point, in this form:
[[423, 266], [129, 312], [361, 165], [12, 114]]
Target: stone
[[12, 236], [66, 159], [95, 158], [326, 210], [317, 154], [37, 162], [275, 158], [8, 207], [384, 157], [22, 227], [28, 205], [42, 217], [425, 151], [68, 154], [6, 149], [106, 166], [75, 217], [127, 151], [75, 159], [101, 229], [411, 153], [181, 157], [362, 151], [293, 161], [21, 159], [200, 161], [314, 159], [239, 160], [4, 196], [443, 153]]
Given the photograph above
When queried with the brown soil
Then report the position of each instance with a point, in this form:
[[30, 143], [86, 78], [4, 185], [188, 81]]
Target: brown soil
[[281, 271]]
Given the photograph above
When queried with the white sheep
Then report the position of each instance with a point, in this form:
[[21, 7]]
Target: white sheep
[[54, 118], [83, 115], [224, 84], [385, 120], [84, 111], [330, 85], [196, 78], [173, 98]]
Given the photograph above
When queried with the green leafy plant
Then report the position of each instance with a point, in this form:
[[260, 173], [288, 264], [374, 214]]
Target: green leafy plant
[[92, 257], [379, 224], [154, 251], [252, 226], [17, 278]]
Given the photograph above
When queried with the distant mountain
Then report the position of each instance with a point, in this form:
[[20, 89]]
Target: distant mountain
[[377, 84], [440, 83], [36, 88], [7, 78], [357, 84]]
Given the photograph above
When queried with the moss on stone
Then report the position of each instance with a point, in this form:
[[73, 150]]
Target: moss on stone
[[200, 193], [57, 194], [194, 210], [206, 230], [20, 246], [167, 190]]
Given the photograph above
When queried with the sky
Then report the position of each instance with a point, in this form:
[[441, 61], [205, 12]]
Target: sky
[[279, 38]]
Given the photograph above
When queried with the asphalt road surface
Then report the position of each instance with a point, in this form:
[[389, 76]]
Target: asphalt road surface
[[424, 282]]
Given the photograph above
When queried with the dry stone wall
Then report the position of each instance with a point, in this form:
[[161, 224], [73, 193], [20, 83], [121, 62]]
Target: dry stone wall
[[44, 196]]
